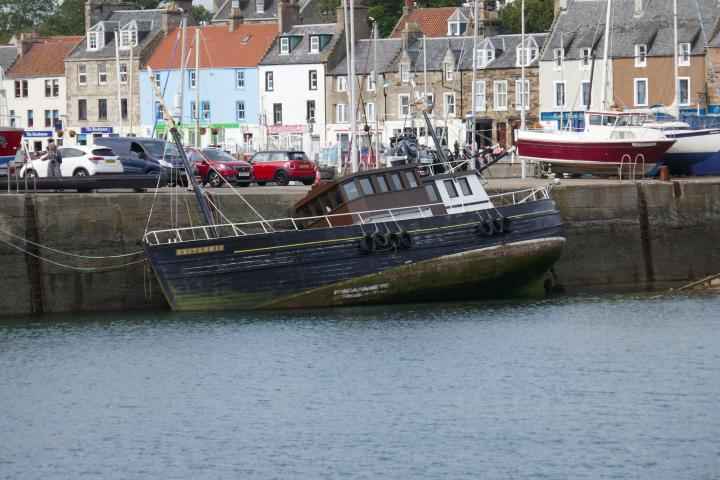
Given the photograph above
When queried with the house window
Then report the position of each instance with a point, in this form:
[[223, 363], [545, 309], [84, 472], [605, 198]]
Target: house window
[[342, 84], [341, 115], [310, 110], [522, 98], [259, 6], [485, 56], [640, 55], [371, 82], [30, 119], [102, 109], [500, 95], [641, 92], [157, 79], [191, 79], [12, 118], [456, 28], [480, 98], [269, 81], [558, 57], [240, 109], [404, 104], [239, 79], [684, 91], [586, 98], [159, 111], [559, 94], [93, 38], [123, 73], [277, 113], [102, 73], [314, 44], [530, 56], [448, 69], [312, 80], [405, 73], [370, 112], [124, 107], [284, 45], [585, 59], [430, 100], [48, 118], [21, 88], [684, 55], [449, 104], [127, 38], [205, 110], [82, 74], [82, 109]]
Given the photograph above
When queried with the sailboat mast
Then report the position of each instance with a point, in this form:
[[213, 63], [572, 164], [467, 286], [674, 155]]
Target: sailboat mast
[[474, 79], [522, 66], [352, 82], [377, 87], [181, 95], [676, 103], [197, 87], [425, 96], [603, 94], [117, 70]]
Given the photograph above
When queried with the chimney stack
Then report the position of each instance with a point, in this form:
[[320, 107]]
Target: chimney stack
[[362, 27], [235, 18], [560, 6], [638, 8], [99, 10], [174, 10], [410, 33], [288, 14], [408, 6], [25, 43]]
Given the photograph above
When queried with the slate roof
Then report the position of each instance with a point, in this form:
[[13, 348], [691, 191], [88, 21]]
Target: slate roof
[[654, 27], [219, 47], [46, 57], [431, 21], [301, 53], [151, 19], [7, 56], [309, 12], [388, 50]]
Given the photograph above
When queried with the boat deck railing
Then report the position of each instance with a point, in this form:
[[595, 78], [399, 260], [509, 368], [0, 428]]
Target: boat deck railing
[[228, 230]]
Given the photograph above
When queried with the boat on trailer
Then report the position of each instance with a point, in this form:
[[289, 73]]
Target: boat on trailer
[[378, 236]]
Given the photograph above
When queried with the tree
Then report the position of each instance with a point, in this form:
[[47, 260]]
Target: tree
[[21, 15], [539, 16], [200, 14], [147, 4], [68, 19]]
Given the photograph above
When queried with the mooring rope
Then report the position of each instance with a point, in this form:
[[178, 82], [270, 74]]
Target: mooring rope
[[69, 254]]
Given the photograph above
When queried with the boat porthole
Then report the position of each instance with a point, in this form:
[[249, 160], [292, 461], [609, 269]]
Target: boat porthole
[[405, 239], [498, 226], [367, 243], [381, 241]]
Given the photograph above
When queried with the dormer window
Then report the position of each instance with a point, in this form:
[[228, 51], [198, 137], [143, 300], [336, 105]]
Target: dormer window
[[456, 28], [684, 54], [405, 73], [314, 44], [93, 42], [585, 59], [284, 46], [484, 57], [448, 69], [259, 6], [530, 55], [128, 37], [342, 84], [558, 57], [640, 55]]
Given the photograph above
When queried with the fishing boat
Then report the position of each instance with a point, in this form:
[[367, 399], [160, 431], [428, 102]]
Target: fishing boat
[[377, 236], [612, 143], [10, 138]]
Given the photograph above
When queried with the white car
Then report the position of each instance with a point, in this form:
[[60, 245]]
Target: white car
[[79, 161]]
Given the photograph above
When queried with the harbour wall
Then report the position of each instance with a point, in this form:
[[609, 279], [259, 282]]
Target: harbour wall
[[640, 235]]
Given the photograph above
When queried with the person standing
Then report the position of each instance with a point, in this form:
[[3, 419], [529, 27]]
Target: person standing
[[55, 160]]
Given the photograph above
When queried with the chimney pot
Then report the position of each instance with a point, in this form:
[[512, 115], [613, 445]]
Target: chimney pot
[[638, 7]]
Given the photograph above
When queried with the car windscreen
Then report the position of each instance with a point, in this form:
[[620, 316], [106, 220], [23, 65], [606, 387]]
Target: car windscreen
[[103, 152], [159, 149], [218, 155], [298, 156]]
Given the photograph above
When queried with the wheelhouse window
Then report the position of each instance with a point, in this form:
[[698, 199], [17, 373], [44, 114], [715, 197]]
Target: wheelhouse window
[[382, 184], [464, 186], [396, 182], [450, 188], [432, 194], [366, 186], [411, 181], [351, 191], [641, 55]]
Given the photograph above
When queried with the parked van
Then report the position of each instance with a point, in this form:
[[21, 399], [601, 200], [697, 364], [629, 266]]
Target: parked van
[[144, 155]]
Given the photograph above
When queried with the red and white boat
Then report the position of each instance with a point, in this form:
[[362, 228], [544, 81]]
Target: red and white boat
[[10, 138], [613, 143]]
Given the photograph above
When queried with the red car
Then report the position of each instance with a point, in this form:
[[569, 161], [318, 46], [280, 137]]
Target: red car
[[211, 163], [282, 166]]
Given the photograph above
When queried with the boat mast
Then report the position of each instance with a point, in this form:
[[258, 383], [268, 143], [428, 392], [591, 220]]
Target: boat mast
[[197, 87], [180, 97], [131, 79], [352, 82], [474, 80], [377, 87], [603, 95], [522, 66], [425, 96], [676, 103], [117, 71], [179, 146]]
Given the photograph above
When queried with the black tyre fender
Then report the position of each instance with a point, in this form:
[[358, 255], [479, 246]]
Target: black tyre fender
[[485, 228], [506, 224], [367, 243], [381, 241], [498, 225], [393, 240], [405, 240]]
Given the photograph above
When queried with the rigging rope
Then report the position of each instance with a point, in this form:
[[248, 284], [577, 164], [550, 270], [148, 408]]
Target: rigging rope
[[69, 254]]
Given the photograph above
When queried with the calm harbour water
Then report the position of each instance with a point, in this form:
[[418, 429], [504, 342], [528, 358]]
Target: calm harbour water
[[607, 386]]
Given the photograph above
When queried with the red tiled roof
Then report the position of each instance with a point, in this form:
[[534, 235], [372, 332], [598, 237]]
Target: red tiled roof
[[219, 47], [46, 57], [431, 21]]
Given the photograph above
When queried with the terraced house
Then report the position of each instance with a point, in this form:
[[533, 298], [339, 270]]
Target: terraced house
[[102, 93]]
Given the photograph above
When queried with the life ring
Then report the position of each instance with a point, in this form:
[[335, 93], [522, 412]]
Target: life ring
[[485, 228], [367, 243], [506, 223], [381, 241], [498, 225], [405, 240], [393, 240]]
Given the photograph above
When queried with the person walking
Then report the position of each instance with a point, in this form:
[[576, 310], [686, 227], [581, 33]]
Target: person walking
[[55, 160]]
